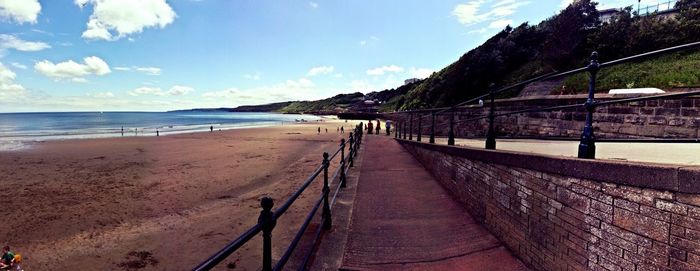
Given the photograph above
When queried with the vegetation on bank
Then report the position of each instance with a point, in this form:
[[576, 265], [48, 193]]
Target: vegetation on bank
[[675, 70], [562, 42]]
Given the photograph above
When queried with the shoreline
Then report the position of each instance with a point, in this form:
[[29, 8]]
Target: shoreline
[[87, 204], [23, 142]]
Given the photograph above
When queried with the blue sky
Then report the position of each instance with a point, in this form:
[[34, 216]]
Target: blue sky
[[154, 55]]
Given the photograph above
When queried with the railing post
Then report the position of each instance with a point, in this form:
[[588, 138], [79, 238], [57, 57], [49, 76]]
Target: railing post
[[420, 127], [342, 162], [396, 129], [403, 128], [352, 150], [491, 134], [267, 221], [586, 149], [410, 127], [451, 133], [326, 215], [432, 129]]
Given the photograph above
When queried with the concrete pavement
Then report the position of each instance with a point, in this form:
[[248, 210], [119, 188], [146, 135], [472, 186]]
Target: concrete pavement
[[404, 220]]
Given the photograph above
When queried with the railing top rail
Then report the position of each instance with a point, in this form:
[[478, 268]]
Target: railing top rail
[[282, 209], [229, 249]]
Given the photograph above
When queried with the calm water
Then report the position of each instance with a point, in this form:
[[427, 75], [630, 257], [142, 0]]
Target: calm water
[[18, 129]]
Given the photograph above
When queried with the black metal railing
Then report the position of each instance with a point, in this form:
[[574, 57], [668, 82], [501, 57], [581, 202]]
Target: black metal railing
[[587, 140], [267, 219]]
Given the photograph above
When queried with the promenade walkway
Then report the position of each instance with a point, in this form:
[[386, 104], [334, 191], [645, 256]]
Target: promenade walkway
[[404, 220]]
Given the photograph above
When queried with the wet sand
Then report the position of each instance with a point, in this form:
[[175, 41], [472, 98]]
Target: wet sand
[[165, 202]]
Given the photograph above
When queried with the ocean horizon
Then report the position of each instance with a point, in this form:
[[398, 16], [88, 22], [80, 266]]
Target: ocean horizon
[[18, 130]]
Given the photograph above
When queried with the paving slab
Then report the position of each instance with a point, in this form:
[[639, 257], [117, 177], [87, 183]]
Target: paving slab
[[404, 220]]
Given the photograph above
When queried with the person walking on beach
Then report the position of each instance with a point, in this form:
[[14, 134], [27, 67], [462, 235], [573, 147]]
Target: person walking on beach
[[319, 130], [326, 130], [342, 129], [211, 129], [122, 130]]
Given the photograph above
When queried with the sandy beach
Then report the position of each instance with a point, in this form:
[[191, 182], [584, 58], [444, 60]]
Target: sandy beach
[[165, 202]]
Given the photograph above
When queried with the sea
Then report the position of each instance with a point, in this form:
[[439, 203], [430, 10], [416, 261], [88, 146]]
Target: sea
[[20, 130]]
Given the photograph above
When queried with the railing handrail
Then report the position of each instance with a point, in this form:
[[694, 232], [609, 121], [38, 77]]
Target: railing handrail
[[587, 146], [263, 224]]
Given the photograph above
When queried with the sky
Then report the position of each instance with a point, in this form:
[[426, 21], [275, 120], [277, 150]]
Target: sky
[[158, 55]]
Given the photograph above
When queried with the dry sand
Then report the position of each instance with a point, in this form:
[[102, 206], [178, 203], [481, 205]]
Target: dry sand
[[166, 202]]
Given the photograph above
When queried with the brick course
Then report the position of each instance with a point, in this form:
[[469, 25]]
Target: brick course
[[562, 219]]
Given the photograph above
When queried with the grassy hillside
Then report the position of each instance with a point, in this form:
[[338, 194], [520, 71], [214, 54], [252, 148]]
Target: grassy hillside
[[669, 71]]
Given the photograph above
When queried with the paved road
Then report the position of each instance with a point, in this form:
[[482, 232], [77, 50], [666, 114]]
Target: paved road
[[404, 220]]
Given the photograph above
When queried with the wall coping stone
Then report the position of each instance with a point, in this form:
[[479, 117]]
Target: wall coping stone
[[677, 178]]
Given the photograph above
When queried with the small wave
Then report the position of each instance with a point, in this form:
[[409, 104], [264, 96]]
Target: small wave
[[13, 145]]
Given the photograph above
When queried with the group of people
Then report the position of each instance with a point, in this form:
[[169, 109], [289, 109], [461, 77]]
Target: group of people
[[370, 127], [9, 260], [340, 129]]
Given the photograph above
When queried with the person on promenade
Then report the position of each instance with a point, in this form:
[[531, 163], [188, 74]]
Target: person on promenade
[[369, 127], [388, 127], [319, 130], [8, 258], [379, 125], [326, 130], [342, 129]]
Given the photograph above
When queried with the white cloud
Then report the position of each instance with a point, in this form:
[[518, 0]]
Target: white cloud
[[299, 84], [313, 4], [115, 19], [420, 73], [18, 65], [149, 70], [384, 69], [20, 11], [146, 70], [228, 93], [372, 39], [179, 90], [500, 24], [101, 95], [72, 70], [13, 42], [255, 77], [471, 13], [300, 89], [320, 70], [175, 90], [8, 87], [468, 13], [338, 75]]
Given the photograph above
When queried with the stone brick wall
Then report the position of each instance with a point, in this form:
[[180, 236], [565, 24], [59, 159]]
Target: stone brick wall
[[572, 214], [670, 118]]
